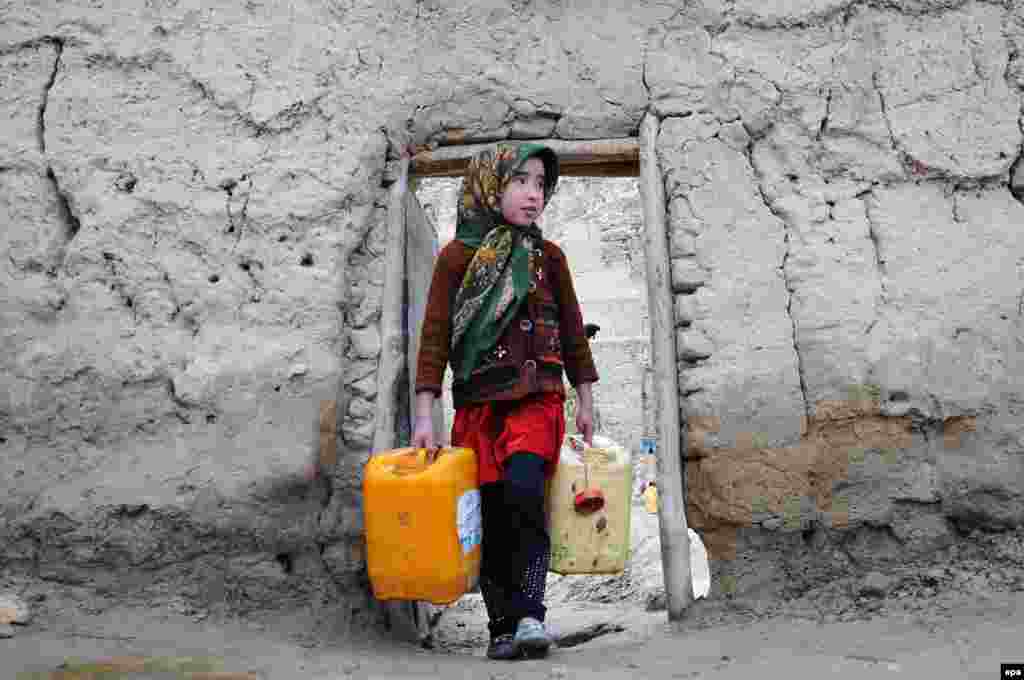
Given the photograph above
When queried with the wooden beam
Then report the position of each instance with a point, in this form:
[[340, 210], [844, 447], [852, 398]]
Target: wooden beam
[[675, 539], [599, 169], [595, 158], [602, 169]]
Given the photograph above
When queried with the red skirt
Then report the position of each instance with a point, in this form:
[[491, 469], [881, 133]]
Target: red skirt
[[497, 429]]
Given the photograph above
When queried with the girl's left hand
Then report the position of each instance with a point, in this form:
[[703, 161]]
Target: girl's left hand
[[585, 422], [408, 150], [312, 471]]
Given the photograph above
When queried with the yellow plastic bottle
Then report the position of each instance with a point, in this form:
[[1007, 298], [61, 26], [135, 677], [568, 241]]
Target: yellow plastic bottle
[[596, 542], [651, 499], [423, 524]]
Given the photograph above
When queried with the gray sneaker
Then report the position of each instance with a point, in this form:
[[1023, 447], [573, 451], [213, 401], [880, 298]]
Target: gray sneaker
[[531, 637]]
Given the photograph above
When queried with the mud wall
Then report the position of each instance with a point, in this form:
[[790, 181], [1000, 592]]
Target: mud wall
[[848, 281], [194, 203]]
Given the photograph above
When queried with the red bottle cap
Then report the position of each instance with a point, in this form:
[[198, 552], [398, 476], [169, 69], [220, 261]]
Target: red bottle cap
[[589, 501]]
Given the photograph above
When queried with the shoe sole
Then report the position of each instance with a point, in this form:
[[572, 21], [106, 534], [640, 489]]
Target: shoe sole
[[515, 653], [534, 649]]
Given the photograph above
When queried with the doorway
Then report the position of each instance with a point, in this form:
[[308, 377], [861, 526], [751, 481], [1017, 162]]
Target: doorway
[[612, 293], [597, 222], [413, 244]]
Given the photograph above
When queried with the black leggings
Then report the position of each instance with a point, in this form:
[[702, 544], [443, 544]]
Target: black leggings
[[516, 544]]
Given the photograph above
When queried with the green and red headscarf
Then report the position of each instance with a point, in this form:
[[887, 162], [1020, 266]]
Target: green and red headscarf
[[497, 280]]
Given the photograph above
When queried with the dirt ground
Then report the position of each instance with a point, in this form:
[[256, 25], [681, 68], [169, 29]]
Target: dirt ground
[[965, 638], [957, 622]]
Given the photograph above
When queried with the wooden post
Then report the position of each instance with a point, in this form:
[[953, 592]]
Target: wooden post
[[392, 349], [675, 539], [328, 434], [421, 254], [408, 620]]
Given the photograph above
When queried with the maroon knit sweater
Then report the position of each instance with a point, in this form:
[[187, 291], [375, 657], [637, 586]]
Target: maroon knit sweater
[[435, 338]]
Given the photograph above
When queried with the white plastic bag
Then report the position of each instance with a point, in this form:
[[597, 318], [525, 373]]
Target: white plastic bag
[[700, 574]]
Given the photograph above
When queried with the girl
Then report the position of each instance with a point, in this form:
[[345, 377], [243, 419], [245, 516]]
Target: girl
[[502, 310]]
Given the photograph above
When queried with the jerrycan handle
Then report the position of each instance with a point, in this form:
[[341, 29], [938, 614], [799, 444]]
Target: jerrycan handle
[[417, 460], [591, 499], [433, 454]]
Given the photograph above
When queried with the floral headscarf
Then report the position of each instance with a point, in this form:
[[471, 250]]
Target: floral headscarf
[[498, 277]]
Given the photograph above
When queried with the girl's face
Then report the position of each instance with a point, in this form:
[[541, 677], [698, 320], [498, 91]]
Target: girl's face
[[523, 199]]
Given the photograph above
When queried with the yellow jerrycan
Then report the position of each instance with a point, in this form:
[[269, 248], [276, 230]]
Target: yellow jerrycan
[[588, 507], [421, 511]]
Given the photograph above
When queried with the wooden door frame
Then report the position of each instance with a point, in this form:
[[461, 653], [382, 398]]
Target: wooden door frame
[[624, 157]]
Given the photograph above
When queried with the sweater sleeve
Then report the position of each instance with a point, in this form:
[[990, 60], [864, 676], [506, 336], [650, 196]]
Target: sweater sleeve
[[435, 336], [579, 362]]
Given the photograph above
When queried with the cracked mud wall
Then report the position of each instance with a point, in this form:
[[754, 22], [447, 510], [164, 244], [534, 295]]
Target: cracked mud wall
[[847, 269], [172, 314], [195, 212]]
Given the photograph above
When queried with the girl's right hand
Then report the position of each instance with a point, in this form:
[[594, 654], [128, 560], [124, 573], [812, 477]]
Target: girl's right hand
[[423, 433]]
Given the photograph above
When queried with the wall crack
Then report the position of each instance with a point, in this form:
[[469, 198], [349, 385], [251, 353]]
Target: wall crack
[[828, 112], [885, 110], [957, 217], [843, 13], [248, 265], [873, 236], [71, 223], [118, 285], [288, 119], [643, 78], [235, 224], [1016, 183], [787, 237], [58, 46], [879, 261]]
